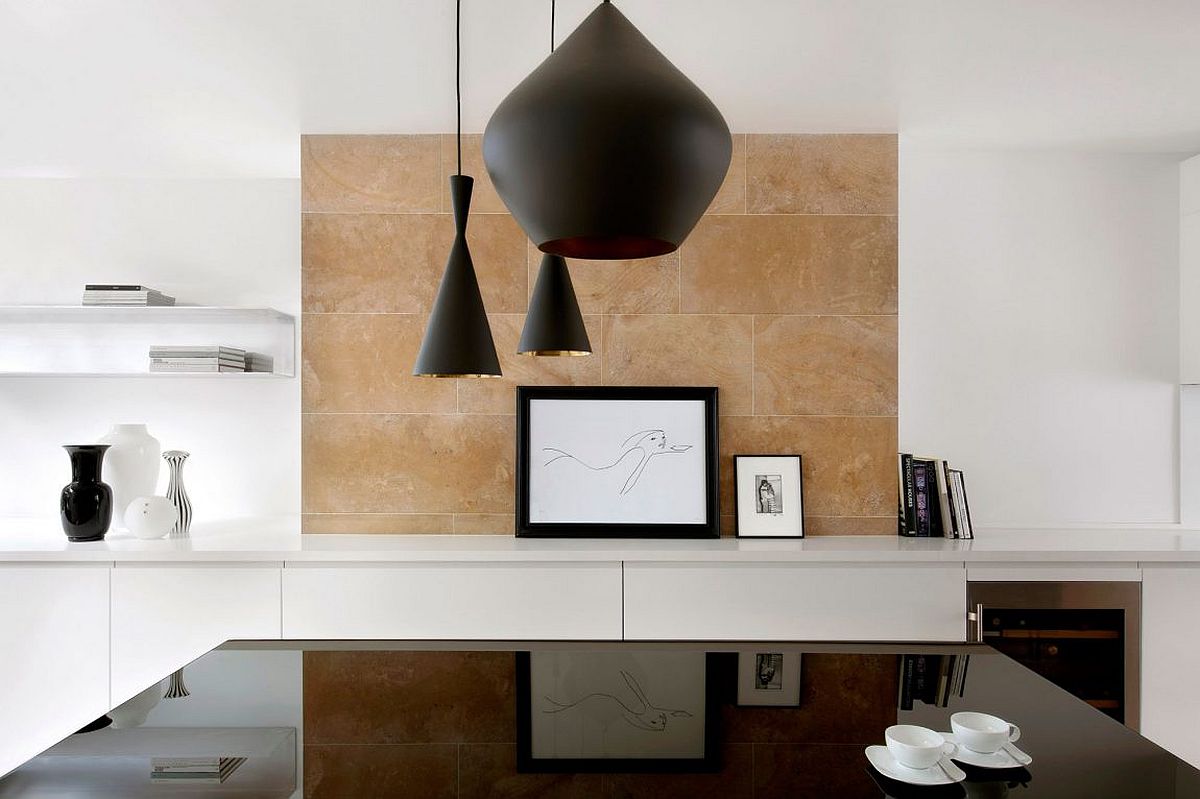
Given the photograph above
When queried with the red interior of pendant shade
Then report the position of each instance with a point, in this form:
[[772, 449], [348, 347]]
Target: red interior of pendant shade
[[608, 248]]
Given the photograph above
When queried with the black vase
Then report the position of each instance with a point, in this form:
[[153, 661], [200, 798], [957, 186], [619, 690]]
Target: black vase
[[86, 504]]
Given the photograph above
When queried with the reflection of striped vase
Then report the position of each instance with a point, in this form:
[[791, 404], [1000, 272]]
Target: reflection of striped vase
[[177, 494]]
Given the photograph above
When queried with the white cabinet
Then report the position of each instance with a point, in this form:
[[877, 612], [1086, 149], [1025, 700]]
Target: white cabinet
[[165, 617], [1171, 659], [54, 671], [454, 601], [782, 602]]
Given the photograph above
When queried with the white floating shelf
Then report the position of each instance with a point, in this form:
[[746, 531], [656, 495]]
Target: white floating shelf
[[108, 341]]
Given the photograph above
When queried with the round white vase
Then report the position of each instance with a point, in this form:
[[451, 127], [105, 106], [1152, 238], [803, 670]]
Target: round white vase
[[150, 517], [130, 466], [133, 713]]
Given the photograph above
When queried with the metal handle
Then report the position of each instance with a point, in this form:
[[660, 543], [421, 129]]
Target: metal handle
[[976, 616]]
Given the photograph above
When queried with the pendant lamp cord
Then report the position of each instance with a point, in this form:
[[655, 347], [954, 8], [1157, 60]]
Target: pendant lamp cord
[[552, 26], [458, 75]]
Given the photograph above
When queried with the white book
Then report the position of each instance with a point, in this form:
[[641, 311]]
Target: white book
[[181, 351]]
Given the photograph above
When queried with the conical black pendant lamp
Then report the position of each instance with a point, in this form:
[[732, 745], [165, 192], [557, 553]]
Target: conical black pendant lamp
[[554, 324], [606, 150], [458, 341]]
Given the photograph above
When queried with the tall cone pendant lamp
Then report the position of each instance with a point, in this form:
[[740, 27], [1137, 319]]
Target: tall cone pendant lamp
[[606, 150], [458, 341]]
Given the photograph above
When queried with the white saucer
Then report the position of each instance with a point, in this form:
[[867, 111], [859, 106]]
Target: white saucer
[[998, 759], [886, 765]]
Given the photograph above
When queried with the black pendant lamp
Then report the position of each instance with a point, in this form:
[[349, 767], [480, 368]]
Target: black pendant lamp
[[458, 341], [554, 324], [606, 150]]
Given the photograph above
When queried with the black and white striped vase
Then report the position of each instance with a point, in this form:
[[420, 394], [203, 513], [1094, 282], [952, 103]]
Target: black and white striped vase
[[177, 494]]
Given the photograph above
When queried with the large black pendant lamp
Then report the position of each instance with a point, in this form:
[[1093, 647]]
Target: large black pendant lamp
[[606, 150], [554, 324], [458, 341]]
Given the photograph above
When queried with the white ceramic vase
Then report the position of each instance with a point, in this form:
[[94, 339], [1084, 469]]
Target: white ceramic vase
[[150, 517], [130, 466], [133, 713]]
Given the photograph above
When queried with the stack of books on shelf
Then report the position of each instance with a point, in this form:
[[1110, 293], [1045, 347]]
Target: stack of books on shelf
[[212, 770], [932, 679], [933, 499], [124, 295], [197, 359]]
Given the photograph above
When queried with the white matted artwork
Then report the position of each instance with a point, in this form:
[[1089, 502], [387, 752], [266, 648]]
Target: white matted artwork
[[617, 460], [594, 710], [768, 677], [770, 496]]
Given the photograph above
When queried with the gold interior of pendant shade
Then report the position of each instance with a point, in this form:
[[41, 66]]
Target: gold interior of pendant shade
[[553, 353], [425, 374]]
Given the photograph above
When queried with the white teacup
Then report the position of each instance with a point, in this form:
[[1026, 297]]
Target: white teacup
[[917, 747], [983, 733]]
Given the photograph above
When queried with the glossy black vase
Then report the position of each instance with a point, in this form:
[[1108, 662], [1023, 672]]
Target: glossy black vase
[[86, 503]]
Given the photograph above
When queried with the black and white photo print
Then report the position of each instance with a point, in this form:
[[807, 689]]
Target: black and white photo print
[[768, 678], [616, 461], [770, 496]]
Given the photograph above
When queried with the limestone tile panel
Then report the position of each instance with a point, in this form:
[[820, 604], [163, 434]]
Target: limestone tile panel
[[677, 350], [363, 363], [393, 263], [850, 525], [735, 779], [731, 197], [407, 463], [489, 771], [825, 365], [386, 174], [484, 199], [799, 771], [499, 395], [650, 285], [416, 771], [484, 524], [381, 523], [409, 697], [849, 462], [790, 264], [821, 174]]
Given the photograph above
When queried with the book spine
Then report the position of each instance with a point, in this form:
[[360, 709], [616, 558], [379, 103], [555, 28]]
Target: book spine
[[966, 506], [114, 287], [910, 504], [906, 683], [921, 498], [932, 504], [943, 485], [901, 518]]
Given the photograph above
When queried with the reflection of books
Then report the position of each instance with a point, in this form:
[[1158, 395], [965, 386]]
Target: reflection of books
[[194, 367], [212, 770]]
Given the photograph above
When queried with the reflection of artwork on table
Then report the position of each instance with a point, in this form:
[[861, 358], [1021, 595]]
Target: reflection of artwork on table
[[770, 678], [770, 496], [614, 711], [616, 461]]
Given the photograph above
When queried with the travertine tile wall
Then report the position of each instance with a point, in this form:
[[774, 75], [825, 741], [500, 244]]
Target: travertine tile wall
[[784, 297]]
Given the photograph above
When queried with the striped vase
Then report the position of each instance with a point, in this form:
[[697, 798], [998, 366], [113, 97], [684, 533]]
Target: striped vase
[[177, 494]]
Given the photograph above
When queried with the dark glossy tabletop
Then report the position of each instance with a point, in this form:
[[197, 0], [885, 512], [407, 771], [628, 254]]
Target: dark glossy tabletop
[[381, 719]]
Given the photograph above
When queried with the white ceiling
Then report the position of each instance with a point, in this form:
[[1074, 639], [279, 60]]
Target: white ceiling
[[220, 88]]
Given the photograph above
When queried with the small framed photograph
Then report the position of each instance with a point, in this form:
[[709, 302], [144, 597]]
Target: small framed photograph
[[770, 496], [768, 678]]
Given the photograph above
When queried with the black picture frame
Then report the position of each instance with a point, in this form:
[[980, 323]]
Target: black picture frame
[[715, 667], [710, 528], [737, 510]]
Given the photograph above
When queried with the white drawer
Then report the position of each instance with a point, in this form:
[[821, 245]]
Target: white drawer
[[791, 602], [454, 601]]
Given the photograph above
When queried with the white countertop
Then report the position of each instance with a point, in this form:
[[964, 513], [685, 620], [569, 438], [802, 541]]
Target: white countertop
[[279, 540]]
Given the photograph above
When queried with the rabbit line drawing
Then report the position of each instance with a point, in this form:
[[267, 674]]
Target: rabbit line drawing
[[639, 712], [642, 445]]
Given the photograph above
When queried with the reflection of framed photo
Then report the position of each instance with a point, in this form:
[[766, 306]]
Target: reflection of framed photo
[[617, 461], [770, 496], [616, 712], [769, 678]]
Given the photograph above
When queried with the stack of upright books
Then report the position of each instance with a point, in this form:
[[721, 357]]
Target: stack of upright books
[[257, 362], [193, 770], [932, 499], [124, 294], [197, 359], [932, 679]]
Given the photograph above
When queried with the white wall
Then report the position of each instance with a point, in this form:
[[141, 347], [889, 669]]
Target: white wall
[[211, 242], [1039, 330]]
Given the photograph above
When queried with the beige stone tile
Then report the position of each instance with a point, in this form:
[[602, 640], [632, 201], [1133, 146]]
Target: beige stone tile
[[489, 771], [850, 525], [484, 199], [378, 523], [393, 263], [363, 363], [397, 697], [821, 174], [649, 285], [407, 463], [849, 462], [844, 365], [731, 197], [484, 524], [387, 174], [790, 264], [415, 771], [499, 396], [675, 350]]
